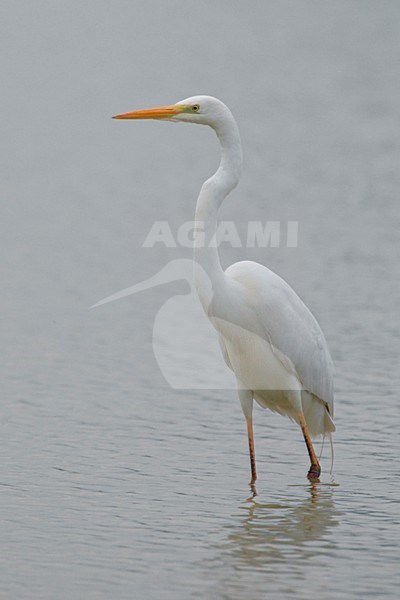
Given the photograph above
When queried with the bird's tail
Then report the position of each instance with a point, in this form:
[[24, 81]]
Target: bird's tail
[[317, 416], [332, 452], [329, 434]]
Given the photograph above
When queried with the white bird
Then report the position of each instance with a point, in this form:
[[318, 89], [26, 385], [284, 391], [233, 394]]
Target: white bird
[[268, 337]]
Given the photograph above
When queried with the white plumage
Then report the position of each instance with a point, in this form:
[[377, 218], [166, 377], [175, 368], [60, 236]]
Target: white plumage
[[268, 336], [304, 367]]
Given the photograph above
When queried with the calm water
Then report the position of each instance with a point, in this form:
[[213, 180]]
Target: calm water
[[113, 484]]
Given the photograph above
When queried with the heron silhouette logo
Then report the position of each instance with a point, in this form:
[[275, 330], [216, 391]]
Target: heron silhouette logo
[[180, 329]]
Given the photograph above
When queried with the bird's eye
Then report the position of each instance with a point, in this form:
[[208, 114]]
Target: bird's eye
[[195, 108]]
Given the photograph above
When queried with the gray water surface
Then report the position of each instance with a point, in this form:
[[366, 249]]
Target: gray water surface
[[113, 484]]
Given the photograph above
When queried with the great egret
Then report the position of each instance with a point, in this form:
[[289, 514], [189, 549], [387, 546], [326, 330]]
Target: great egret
[[268, 337]]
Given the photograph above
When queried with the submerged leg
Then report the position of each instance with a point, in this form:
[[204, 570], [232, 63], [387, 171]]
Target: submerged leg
[[246, 400], [315, 469]]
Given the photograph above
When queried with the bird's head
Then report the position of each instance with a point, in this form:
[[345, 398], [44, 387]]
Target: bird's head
[[204, 110]]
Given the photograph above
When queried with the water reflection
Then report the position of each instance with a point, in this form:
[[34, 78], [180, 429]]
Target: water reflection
[[266, 535]]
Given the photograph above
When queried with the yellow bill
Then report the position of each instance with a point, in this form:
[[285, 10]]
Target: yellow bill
[[162, 112]]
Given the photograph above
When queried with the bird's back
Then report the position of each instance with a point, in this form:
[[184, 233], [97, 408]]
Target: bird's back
[[288, 325]]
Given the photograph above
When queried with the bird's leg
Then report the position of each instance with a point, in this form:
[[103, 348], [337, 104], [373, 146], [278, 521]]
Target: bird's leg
[[246, 400], [315, 469], [251, 450]]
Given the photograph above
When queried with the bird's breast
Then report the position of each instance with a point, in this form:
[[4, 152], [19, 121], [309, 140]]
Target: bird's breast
[[255, 362]]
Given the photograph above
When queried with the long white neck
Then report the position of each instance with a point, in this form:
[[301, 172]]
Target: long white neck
[[208, 272]]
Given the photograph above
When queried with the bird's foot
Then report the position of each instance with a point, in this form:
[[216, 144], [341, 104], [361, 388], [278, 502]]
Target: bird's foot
[[253, 491], [314, 473]]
